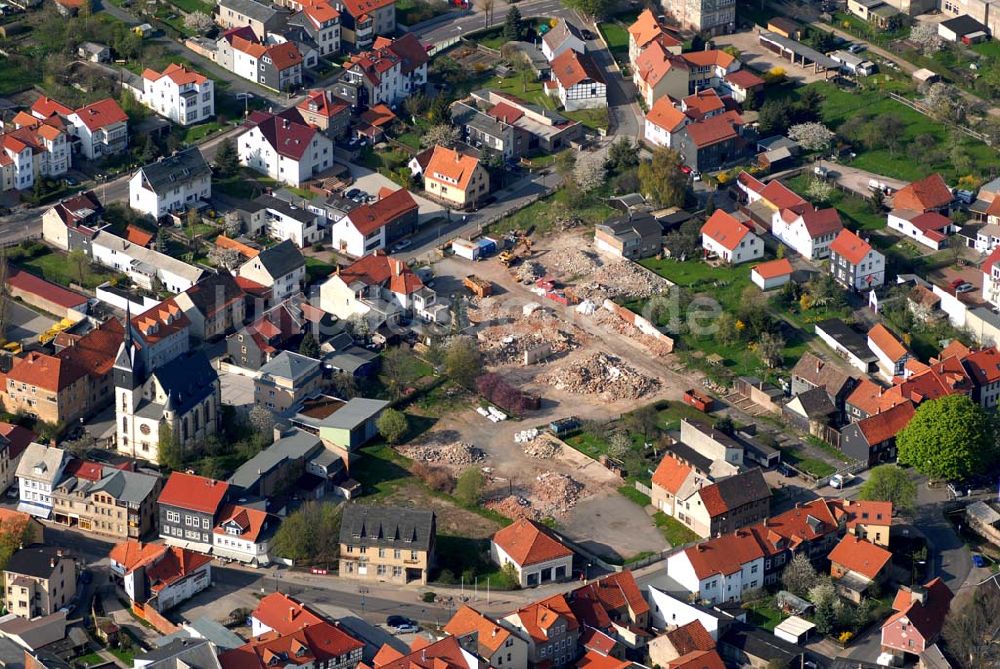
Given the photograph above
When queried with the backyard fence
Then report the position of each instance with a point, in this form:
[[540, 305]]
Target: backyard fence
[[926, 111]]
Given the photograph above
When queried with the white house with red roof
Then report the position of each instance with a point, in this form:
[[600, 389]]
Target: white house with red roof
[[283, 148], [536, 555], [854, 263], [991, 278], [856, 564], [806, 230], [181, 95], [551, 629], [160, 576], [391, 71], [663, 121], [577, 82], [674, 481], [33, 147], [101, 127], [371, 227], [892, 355], [721, 569], [930, 228], [725, 237], [379, 288], [984, 369], [456, 178], [244, 534]]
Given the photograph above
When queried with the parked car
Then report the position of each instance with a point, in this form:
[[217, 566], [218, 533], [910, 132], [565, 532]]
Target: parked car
[[839, 481], [978, 560], [962, 286], [587, 35], [857, 47], [402, 244], [402, 624], [70, 181], [786, 471]]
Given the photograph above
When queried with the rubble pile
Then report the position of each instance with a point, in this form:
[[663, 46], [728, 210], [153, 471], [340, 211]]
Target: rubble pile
[[610, 320], [540, 448], [555, 494], [622, 278], [505, 344], [512, 506], [488, 309], [601, 374], [529, 271], [572, 262], [455, 453]]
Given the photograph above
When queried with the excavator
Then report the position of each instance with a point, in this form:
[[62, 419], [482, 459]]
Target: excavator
[[510, 256]]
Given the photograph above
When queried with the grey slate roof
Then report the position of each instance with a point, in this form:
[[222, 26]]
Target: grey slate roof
[[203, 628], [758, 643], [640, 224], [34, 561], [744, 488], [181, 167], [293, 445], [816, 403], [562, 31], [847, 337], [393, 527], [354, 413], [289, 365], [182, 654], [964, 25], [255, 10], [125, 486], [286, 208], [281, 259], [465, 115], [187, 379], [821, 373]]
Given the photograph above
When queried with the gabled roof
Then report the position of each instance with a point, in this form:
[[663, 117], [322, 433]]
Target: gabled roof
[[35, 285], [872, 398], [881, 427], [289, 138], [774, 268], [538, 617], [820, 373], [561, 32], [528, 543], [709, 57], [281, 259], [101, 114], [45, 371], [284, 55], [887, 342], [357, 8], [315, 645], [387, 526], [451, 167], [615, 597], [180, 168], [95, 351], [931, 192], [671, 474], [715, 129], [926, 616], [655, 61], [821, 222], [251, 522], [571, 68], [18, 438], [983, 366], [703, 103], [866, 512], [724, 555], [490, 635], [850, 247], [197, 493], [744, 79], [284, 614], [178, 74], [803, 523], [735, 491], [664, 115], [80, 208], [722, 228], [323, 103], [860, 556], [368, 218], [645, 29], [690, 638], [699, 659], [46, 107], [379, 269]]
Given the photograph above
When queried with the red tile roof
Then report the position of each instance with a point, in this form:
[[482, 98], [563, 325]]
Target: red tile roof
[[45, 371], [927, 616], [537, 617], [931, 221], [250, 521], [866, 512], [442, 654], [19, 438], [285, 55], [505, 112], [314, 645], [197, 493], [491, 636], [319, 102], [664, 115], [378, 116], [724, 555], [804, 523], [820, 222], [699, 659], [356, 8], [594, 659], [774, 268], [571, 68], [887, 342], [645, 29], [744, 79], [984, 366], [849, 246], [709, 58], [722, 228], [881, 427], [178, 74], [860, 556], [29, 283], [451, 167], [137, 235], [289, 138], [160, 322], [528, 543], [931, 192], [703, 103], [284, 614], [379, 269], [713, 130], [615, 593], [670, 474], [101, 114], [370, 217], [129, 554], [45, 107], [691, 637]]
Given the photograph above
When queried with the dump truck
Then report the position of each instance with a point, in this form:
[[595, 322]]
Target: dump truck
[[478, 286]]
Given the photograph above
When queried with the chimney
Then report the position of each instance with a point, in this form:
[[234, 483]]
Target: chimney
[[52, 563], [699, 547], [819, 366], [291, 613]]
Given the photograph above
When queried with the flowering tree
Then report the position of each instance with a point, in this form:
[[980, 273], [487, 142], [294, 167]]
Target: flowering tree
[[812, 136]]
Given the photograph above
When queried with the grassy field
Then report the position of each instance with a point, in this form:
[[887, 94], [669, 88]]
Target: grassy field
[[616, 35], [816, 467], [763, 614], [544, 213], [596, 119], [56, 268], [855, 211], [530, 91], [316, 269], [673, 530], [193, 6], [989, 48], [839, 105], [14, 77], [198, 132]]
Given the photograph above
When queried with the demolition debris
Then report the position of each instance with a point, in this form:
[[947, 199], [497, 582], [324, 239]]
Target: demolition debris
[[555, 494], [622, 278], [456, 453], [601, 374]]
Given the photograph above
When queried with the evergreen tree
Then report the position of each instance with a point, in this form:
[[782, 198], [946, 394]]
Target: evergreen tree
[[309, 346], [513, 27], [227, 161]]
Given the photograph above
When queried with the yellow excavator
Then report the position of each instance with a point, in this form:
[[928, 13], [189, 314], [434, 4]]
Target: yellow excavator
[[511, 256]]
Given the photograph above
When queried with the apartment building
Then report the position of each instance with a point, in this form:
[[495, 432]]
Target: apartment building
[[172, 184], [716, 17], [38, 581], [284, 149], [179, 94], [389, 544]]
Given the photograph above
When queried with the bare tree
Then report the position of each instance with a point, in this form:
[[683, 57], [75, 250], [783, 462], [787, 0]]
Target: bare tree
[[442, 134], [972, 631], [812, 136], [925, 37], [487, 6]]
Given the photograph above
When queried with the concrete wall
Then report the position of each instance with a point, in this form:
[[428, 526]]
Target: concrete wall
[[640, 323]]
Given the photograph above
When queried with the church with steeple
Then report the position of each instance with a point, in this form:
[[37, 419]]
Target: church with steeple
[[159, 381]]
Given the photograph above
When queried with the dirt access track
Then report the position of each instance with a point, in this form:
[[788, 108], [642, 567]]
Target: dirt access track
[[599, 517]]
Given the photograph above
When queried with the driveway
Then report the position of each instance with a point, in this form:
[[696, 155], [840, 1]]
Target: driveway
[[758, 58], [856, 180], [371, 182], [24, 323]]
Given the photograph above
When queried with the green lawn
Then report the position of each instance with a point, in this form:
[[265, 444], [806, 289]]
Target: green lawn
[[816, 467], [127, 656], [56, 268], [673, 530], [764, 615], [198, 132], [14, 77], [855, 212], [193, 6], [530, 91], [588, 443], [628, 490], [89, 660], [411, 139], [670, 418], [316, 269], [616, 35], [380, 470], [989, 48], [463, 556], [597, 119], [838, 106]]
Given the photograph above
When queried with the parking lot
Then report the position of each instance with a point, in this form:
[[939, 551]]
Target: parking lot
[[24, 324]]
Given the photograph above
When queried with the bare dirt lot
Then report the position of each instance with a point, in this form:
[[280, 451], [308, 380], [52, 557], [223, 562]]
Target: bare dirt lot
[[597, 371]]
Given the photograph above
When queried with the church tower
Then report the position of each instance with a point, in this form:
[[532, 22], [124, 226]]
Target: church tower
[[129, 375]]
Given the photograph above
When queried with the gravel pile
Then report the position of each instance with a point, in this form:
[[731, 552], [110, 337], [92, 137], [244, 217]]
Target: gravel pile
[[571, 262], [622, 278], [456, 453], [541, 448], [529, 270], [555, 494], [505, 344], [512, 506]]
